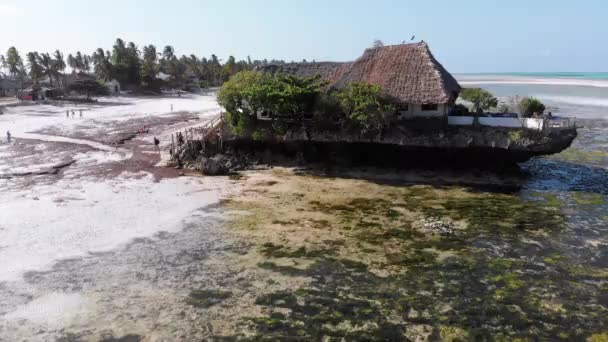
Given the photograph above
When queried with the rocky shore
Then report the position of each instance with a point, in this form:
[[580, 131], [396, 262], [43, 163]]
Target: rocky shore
[[457, 148]]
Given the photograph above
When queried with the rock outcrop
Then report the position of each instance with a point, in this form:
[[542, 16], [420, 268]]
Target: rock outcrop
[[397, 147]]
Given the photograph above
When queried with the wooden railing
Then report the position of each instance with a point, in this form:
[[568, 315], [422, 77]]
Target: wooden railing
[[201, 133]]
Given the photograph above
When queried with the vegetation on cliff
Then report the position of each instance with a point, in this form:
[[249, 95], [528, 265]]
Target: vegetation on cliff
[[480, 99], [289, 101]]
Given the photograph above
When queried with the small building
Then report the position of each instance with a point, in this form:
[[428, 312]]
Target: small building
[[409, 75], [75, 77], [9, 86], [113, 86]]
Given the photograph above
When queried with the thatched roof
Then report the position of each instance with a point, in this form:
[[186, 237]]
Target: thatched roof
[[329, 71], [79, 77], [408, 73]]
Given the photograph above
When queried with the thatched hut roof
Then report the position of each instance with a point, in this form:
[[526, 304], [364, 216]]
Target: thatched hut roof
[[329, 71], [408, 73]]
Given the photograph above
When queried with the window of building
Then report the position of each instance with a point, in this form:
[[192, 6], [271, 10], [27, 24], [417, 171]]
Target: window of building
[[430, 107], [403, 108]]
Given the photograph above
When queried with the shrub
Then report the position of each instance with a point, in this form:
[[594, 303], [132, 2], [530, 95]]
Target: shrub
[[531, 105], [481, 99], [460, 110], [89, 88], [364, 106], [503, 108]]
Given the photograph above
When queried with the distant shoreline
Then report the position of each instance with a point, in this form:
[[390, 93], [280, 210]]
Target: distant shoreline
[[564, 74], [599, 80]]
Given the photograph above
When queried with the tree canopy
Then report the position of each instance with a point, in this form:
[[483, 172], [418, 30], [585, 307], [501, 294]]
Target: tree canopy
[[289, 100], [531, 105], [482, 100], [131, 66], [364, 106]]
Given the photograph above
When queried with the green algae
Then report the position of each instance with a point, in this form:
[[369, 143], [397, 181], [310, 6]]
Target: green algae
[[207, 298], [588, 199], [275, 251], [453, 334], [577, 156], [602, 337], [285, 270], [482, 283]]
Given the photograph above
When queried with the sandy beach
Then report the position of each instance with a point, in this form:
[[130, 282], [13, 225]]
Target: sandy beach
[[75, 202]]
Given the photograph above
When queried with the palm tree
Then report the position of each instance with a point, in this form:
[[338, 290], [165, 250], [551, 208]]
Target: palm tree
[[168, 52], [46, 64], [36, 71], [3, 64], [72, 62], [103, 68], [58, 65], [14, 61], [150, 67]]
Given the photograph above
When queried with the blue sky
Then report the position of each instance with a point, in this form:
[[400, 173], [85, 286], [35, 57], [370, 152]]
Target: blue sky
[[465, 35]]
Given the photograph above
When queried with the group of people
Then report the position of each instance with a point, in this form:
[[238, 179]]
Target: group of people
[[67, 113]]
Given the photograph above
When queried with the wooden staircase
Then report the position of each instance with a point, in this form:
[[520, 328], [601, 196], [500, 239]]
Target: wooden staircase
[[204, 133]]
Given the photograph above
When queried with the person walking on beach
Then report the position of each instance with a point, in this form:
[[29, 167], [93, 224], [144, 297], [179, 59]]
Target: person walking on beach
[[67, 113], [80, 113], [73, 114], [8, 136], [156, 143]]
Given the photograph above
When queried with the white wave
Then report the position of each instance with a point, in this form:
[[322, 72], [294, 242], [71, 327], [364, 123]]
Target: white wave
[[575, 100], [469, 80]]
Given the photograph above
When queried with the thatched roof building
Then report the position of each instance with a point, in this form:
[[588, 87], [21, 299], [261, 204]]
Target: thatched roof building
[[407, 73], [329, 71]]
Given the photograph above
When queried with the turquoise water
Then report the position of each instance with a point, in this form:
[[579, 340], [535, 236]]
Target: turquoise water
[[575, 75]]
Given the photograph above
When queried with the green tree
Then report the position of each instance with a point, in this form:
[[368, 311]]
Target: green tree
[[292, 98], [481, 99], [243, 96], [3, 64], [103, 68], [150, 66], [77, 62], [531, 105], [46, 64], [364, 106], [14, 62], [36, 71], [58, 65], [88, 88], [126, 62]]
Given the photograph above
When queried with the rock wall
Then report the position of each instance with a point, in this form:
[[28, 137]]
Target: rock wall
[[399, 147]]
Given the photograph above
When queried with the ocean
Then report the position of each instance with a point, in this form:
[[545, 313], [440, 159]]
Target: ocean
[[574, 94]]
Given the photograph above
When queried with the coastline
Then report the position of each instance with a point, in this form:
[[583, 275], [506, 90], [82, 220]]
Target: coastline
[[300, 253]]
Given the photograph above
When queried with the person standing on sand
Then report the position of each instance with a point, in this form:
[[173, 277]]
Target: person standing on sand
[[156, 143], [73, 114], [67, 113], [81, 113], [8, 136]]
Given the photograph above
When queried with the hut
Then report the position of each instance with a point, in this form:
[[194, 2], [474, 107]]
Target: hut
[[113, 86], [409, 75]]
